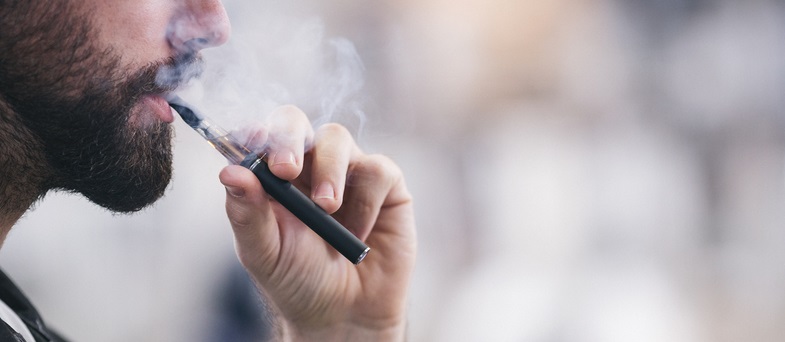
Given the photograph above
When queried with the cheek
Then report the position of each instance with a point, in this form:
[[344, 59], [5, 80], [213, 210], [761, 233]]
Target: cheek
[[136, 30]]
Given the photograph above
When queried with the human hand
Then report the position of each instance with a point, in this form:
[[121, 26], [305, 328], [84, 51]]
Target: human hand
[[314, 292]]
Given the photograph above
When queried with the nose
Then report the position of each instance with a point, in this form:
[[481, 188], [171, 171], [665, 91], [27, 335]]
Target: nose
[[198, 25]]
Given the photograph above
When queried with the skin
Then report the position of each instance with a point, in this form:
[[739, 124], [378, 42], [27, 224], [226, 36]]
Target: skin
[[315, 294]]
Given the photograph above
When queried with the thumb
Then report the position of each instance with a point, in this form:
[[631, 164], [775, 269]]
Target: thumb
[[253, 223]]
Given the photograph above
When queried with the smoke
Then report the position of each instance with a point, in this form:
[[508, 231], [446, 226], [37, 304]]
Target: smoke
[[343, 83], [275, 58]]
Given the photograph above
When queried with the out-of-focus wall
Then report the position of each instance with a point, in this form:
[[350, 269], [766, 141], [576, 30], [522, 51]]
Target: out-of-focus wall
[[595, 170]]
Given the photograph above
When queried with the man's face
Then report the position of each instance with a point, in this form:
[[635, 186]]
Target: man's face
[[81, 75]]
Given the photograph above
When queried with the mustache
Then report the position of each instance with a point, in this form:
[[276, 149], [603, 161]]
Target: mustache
[[166, 76]]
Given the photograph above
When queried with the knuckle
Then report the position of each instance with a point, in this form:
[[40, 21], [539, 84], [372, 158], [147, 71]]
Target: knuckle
[[329, 160], [238, 215], [289, 117], [288, 110], [380, 166], [334, 129]]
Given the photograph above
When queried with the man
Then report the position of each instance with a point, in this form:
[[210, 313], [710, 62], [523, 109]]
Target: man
[[80, 111]]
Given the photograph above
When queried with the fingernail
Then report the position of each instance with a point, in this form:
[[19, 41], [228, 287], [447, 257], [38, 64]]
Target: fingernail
[[235, 191], [284, 158], [324, 190]]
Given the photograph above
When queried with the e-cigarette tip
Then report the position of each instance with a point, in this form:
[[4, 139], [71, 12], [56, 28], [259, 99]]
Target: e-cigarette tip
[[362, 256]]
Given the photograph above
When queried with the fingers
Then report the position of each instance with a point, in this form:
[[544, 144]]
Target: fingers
[[335, 174], [370, 185], [253, 135], [250, 214], [290, 133], [332, 151]]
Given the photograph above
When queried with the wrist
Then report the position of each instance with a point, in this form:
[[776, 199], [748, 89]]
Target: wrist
[[343, 332]]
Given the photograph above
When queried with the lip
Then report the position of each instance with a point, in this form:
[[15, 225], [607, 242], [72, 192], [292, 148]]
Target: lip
[[160, 107]]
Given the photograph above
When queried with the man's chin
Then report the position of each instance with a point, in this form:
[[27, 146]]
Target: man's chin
[[124, 174], [126, 196]]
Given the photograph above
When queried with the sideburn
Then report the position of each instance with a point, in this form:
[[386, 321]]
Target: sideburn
[[24, 172]]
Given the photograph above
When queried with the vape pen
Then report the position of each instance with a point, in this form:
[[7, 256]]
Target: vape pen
[[281, 190]]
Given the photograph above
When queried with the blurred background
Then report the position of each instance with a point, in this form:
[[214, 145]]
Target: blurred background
[[596, 170]]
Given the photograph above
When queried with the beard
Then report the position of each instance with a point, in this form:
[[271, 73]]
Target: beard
[[83, 107]]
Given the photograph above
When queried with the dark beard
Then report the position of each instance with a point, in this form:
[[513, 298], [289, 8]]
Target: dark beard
[[76, 99]]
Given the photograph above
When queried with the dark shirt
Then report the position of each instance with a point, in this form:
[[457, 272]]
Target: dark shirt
[[16, 300]]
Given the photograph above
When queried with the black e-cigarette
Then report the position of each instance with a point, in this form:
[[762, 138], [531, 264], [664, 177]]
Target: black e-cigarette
[[281, 190]]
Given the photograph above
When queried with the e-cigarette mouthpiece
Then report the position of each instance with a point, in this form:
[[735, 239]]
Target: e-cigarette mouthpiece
[[219, 138]]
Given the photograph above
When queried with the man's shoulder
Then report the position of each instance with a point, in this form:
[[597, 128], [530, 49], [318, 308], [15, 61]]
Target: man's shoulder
[[17, 302], [9, 334]]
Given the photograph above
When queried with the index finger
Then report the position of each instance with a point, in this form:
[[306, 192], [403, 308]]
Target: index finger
[[290, 132]]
